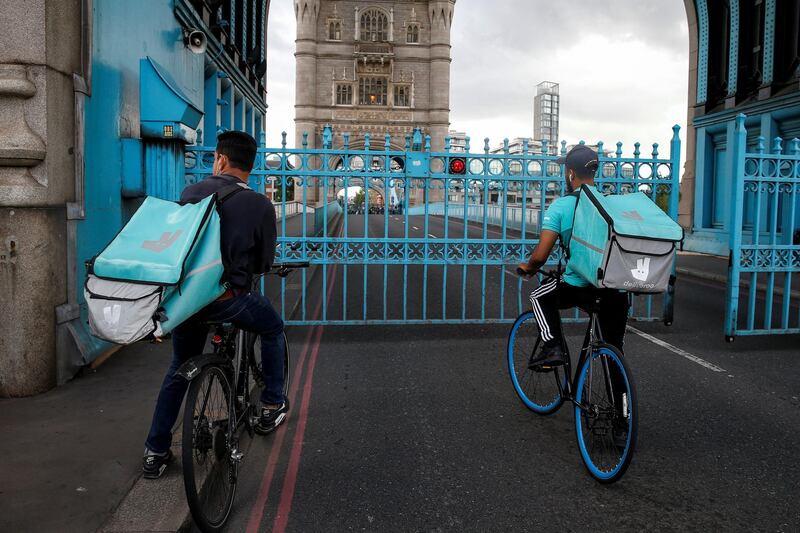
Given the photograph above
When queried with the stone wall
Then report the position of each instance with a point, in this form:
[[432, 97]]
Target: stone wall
[[39, 51]]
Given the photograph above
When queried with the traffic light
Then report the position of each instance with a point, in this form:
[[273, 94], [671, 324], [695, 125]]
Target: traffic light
[[458, 165]]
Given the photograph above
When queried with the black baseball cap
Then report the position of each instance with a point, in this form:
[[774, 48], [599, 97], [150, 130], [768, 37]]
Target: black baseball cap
[[580, 158]]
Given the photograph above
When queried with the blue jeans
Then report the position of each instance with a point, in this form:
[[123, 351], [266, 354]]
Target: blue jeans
[[250, 312]]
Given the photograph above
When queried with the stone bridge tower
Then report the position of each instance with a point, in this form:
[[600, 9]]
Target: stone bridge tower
[[373, 66]]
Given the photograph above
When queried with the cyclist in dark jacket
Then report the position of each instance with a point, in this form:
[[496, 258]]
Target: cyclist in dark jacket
[[248, 236]]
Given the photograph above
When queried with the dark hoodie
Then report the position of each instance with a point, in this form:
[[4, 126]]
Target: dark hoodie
[[248, 230]]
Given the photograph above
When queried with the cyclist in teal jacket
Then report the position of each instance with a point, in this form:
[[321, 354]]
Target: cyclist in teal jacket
[[571, 290]]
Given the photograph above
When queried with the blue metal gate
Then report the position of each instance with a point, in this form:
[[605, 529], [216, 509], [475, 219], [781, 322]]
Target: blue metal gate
[[764, 238], [408, 235]]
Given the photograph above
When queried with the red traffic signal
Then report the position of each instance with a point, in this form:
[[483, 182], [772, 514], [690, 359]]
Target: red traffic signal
[[458, 165]]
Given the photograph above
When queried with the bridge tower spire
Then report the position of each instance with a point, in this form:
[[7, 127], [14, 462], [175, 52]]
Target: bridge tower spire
[[440, 18]]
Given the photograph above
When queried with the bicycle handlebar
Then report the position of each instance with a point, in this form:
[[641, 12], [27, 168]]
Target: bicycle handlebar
[[546, 273]]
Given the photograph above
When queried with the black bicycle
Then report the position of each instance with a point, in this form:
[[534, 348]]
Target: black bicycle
[[602, 391], [222, 400]]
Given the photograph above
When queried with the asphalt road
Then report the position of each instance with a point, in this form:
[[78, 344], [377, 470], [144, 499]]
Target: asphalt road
[[417, 428]]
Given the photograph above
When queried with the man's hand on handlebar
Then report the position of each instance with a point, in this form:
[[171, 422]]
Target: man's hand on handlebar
[[526, 271]]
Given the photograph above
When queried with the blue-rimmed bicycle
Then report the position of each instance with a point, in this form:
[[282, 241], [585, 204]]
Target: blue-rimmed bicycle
[[602, 392]]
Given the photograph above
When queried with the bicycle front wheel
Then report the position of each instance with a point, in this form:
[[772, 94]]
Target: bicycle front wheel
[[606, 414], [209, 471], [539, 391]]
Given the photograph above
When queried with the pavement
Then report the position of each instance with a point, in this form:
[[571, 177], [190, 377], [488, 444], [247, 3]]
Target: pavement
[[410, 428]]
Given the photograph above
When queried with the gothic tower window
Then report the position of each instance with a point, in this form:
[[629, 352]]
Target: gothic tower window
[[344, 94], [335, 31], [402, 96], [374, 25], [412, 33], [372, 91]]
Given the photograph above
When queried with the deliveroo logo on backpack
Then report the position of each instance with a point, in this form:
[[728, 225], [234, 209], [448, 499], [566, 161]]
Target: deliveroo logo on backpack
[[111, 314], [642, 269], [167, 240]]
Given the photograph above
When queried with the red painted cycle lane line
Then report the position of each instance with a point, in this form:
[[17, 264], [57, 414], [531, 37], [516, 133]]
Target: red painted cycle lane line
[[257, 511], [290, 479]]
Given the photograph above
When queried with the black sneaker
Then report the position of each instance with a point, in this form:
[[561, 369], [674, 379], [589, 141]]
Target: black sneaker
[[548, 357], [271, 418], [154, 464]]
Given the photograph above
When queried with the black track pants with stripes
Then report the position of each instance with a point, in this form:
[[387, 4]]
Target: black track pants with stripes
[[550, 297]]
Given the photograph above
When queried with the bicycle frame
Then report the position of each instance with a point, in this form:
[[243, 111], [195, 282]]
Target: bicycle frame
[[592, 338]]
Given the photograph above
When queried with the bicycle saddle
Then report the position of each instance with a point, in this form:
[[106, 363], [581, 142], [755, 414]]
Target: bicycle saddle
[[592, 308]]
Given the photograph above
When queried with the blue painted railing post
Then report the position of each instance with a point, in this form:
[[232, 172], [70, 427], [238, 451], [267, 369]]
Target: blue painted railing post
[[674, 171], [738, 147], [327, 137], [672, 207]]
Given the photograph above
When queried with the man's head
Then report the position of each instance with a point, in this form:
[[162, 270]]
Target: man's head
[[580, 166], [235, 154]]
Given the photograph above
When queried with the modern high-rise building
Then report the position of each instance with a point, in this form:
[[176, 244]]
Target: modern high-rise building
[[458, 141], [545, 114]]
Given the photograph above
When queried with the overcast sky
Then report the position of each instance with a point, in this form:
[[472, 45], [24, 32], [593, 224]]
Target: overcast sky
[[622, 66]]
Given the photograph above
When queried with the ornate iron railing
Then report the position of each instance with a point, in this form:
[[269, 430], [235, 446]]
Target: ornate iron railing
[[764, 238], [393, 224]]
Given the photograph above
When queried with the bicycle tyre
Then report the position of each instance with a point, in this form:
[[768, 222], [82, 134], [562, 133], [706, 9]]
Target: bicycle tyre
[[254, 356], [538, 391], [207, 464], [600, 421]]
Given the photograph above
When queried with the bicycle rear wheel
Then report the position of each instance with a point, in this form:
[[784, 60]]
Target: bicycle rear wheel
[[538, 390], [606, 414], [209, 473]]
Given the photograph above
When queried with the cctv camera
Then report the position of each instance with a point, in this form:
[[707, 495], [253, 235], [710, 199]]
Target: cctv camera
[[195, 40]]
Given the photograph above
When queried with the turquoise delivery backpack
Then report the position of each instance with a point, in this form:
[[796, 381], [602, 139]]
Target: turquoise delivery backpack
[[622, 241], [163, 267]]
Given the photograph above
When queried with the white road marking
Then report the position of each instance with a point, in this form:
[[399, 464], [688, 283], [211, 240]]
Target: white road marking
[[675, 349], [431, 236], [414, 227]]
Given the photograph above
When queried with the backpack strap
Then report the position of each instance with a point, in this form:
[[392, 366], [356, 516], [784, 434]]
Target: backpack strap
[[565, 245], [222, 195], [229, 190]]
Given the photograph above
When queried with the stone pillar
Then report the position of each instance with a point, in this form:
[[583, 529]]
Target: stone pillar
[[306, 12], [686, 204], [39, 42], [440, 19]]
